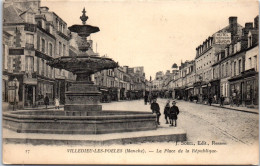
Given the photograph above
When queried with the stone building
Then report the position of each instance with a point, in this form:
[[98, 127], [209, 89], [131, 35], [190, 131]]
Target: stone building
[[36, 40], [244, 80], [6, 42], [205, 58]]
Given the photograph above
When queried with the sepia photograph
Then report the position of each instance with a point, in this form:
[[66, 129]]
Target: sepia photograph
[[130, 82]]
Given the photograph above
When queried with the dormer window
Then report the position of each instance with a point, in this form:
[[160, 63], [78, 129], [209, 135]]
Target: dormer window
[[43, 24], [29, 18], [249, 41], [235, 48], [230, 50], [39, 23], [238, 46]]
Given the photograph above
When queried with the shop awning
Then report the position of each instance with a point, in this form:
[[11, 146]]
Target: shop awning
[[189, 88], [203, 86], [103, 90]]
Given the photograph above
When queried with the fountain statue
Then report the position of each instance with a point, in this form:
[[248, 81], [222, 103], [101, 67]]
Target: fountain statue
[[83, 95]]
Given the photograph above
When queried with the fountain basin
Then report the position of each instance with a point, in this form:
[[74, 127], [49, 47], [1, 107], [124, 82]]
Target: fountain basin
[[95, 122]]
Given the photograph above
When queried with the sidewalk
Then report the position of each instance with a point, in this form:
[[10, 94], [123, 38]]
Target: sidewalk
[[240, 108], [235, 108]]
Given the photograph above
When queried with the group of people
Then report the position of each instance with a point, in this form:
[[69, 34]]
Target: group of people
[[170, 112], [47, 102]]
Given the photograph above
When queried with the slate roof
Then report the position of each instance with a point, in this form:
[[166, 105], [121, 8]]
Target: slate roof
[[12, 15]]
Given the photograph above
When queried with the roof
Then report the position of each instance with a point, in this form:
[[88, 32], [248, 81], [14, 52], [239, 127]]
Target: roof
[[11, 14]]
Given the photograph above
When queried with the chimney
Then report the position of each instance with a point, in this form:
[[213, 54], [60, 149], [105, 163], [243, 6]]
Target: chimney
[[249, 25], [233, 26], [256, 22]]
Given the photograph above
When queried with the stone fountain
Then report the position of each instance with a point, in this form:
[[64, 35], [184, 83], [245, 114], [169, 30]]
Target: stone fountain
[[82, 112]]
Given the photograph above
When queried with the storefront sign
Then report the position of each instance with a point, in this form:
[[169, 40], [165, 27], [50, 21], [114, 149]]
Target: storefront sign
[[16, 51], [222, 38], [30, 81]]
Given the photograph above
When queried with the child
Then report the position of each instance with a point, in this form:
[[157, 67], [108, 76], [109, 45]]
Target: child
[[167, 111], [174, 111], [57, 103]]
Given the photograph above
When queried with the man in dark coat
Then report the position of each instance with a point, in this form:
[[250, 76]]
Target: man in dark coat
[[210, 100], [145, 99], [156, 109], [174, 111], [46, 101], [222, 99]]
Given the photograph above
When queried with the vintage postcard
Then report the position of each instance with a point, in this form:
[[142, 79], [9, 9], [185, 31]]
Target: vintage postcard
[[130, 82]]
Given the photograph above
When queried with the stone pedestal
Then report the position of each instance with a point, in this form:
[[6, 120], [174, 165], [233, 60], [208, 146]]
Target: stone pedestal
[[82, 97]]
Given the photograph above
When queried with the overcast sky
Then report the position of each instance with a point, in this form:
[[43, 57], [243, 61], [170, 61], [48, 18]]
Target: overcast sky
[[153, 34]]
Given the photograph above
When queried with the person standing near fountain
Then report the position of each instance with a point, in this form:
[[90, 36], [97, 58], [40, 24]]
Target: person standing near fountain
[[46, 101], [156, 109], [174, 111], [57, 103]]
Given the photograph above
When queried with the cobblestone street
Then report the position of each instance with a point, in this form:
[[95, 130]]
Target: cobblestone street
[[202, 122]]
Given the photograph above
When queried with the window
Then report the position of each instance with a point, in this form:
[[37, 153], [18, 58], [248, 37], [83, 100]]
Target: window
[[255, 61], [235, 48], [239, 66], [60, 49], [250, 63], [29, 64], [46, 68], [42, 65], [43, 45], [231, 71], [29, 39], [238, 46], [227, 69], [235, 70], [50, 49], [64, 50], [249, 41]]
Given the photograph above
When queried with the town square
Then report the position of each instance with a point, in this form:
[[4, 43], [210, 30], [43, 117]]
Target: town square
[[133, 78]]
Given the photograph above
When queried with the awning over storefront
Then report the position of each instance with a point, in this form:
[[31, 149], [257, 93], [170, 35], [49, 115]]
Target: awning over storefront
[[245, 74], [189, 88]]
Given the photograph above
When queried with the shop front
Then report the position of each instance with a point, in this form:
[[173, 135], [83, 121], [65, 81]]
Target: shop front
[[246, 87], [251, 87], [45, 88], [30, 85], [215, 90]]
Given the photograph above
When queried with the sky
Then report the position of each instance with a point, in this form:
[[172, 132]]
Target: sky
[[152, 33]]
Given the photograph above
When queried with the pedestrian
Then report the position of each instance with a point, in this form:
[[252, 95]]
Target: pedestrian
[[210, 100], [215, 99], [167, 111], [46, 101], [222, 98], [238, 99], [57, 103], [156, 109], [174, 111], [231, 101], [145, 99]]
